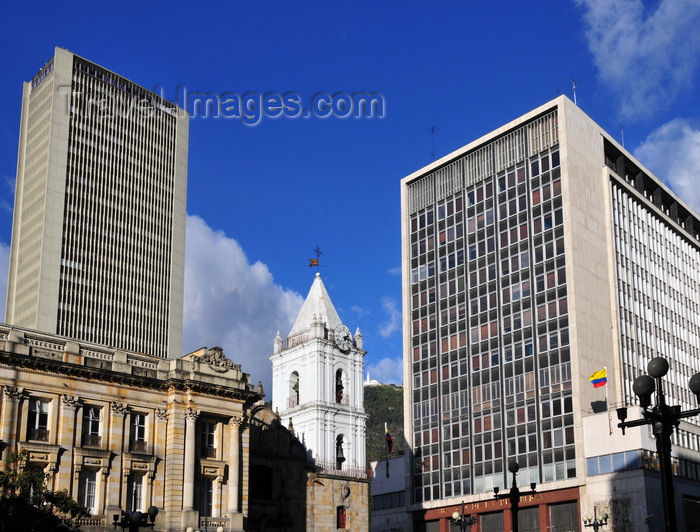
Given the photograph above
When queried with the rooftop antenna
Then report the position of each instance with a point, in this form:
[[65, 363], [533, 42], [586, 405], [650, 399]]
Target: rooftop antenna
[[315, 262], [432, 131], [573, 86], [622, 134]]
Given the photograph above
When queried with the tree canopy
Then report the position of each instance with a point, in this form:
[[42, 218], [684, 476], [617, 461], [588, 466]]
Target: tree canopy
[[27, 505]]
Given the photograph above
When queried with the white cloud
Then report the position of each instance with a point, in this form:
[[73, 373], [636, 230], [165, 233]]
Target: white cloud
[[359, 311], [672, 152], [387, 370], [4, 272], [396, 271], [393, 322], [232, 303], [645, 55]]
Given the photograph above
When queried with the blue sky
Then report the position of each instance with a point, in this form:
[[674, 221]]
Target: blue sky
[[262, 197]]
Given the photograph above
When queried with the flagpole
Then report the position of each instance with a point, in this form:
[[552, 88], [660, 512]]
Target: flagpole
[[386, 450], [607, 402]]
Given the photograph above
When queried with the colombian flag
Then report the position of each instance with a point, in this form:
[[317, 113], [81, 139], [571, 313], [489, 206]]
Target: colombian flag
[[599, 378], [389, 441]]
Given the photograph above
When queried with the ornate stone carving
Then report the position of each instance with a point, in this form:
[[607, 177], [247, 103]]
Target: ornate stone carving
[[236, 422], [191, 414], [119, 408], [70, 401], [161, 414], [13, 393], [217, 361]]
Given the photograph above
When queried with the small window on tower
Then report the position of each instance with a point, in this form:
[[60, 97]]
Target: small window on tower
[[342, 517]]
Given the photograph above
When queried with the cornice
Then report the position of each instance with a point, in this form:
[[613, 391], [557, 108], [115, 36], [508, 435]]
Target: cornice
[[110, 377]]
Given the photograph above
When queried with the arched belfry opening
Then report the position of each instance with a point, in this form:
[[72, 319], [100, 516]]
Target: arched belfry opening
[[293, 397]]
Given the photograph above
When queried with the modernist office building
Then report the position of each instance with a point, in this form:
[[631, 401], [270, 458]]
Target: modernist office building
[[98, 235], [533, 257]]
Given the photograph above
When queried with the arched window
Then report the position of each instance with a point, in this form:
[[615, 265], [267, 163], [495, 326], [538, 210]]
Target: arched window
[[293, 399], [339, 388], [339, 454]]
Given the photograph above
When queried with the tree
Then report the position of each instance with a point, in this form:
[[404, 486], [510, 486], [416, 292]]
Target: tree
[[27, 505]]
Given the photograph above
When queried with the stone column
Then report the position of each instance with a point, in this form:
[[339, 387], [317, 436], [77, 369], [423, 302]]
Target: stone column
[[66, 436], [101, 495], [234, 465], [217, 489], [148, 489], [11, 397], [188, 485], [160, 451], [124, 501], [115, 484], [77, 469]]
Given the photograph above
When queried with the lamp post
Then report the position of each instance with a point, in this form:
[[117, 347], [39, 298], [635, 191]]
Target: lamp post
[[594, 521], [664, 419], [462, 521], [132, 521], [514, 495]]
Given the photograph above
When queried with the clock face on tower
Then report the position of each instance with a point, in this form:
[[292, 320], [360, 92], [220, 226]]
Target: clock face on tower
[[343, 337]]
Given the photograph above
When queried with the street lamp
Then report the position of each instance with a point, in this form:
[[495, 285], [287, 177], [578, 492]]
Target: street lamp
[[595, 521], [132, 521], [664, 419], [462, 521], [514, 495]]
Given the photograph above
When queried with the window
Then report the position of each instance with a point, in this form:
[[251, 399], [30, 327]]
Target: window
[[208, 439], [339, 396], [138, 432], [87, 489], [135, 489], [341, 517], [293, 399], [339, 455], [91, 426], [38, 422], [205, 496]]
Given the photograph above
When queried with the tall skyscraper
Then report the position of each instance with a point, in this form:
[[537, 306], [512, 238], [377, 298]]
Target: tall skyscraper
[[533, 257], [98, 235]]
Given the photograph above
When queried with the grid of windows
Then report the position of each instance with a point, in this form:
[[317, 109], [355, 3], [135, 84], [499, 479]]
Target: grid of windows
[[489, 338], [118, 211], [658, 293], [117, 171]]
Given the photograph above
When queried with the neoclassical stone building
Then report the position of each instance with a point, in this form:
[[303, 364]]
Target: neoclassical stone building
[[123, 431]]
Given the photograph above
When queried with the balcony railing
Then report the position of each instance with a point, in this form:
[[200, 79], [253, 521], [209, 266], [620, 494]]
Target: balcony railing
[[38, 434], [292, 401], [212, 523], [331, 468], [92, 440], [139, 446], [342, 399], [93, 522], [209, 452]]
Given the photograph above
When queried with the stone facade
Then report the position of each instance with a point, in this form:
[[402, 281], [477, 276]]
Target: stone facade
[[123, 431]]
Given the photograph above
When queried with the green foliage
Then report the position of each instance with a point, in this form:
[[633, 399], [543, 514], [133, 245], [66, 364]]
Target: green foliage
[[384, 404], [27, 504]]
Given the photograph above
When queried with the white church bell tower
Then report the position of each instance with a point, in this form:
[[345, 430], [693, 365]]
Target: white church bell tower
[[317, 389]]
